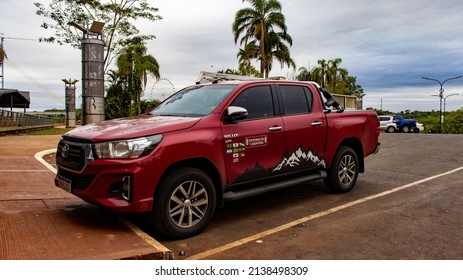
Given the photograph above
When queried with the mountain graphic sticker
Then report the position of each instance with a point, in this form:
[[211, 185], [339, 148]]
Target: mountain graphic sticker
[[299, 157]]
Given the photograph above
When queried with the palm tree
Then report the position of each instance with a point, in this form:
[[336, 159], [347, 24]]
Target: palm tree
[[319, 72], [304, 74], [258, 24], [275, 48], [249, 52], [335, 73], [136, 65]]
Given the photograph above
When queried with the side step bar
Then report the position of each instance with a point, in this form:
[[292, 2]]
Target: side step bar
[[231, 195]]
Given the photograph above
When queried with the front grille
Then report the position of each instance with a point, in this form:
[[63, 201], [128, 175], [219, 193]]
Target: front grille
[[73, 155], [78, 181]]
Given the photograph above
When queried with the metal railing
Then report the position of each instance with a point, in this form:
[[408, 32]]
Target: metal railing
[[10, 121]]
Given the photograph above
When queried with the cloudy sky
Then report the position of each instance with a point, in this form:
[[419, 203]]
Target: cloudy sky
[[387, 45]]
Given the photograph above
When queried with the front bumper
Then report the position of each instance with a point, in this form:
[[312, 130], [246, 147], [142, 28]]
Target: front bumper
[[122, 186]]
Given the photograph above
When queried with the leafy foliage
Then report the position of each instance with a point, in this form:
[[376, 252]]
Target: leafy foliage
[[126, 85], [453, 121], [329, 75], [116, 14], [263, 34]]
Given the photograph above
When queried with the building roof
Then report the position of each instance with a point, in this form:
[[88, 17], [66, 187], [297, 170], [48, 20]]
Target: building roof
[[13, 98]]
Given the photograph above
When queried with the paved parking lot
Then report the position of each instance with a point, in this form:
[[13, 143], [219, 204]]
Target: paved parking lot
[[406, 206], [41, 222]]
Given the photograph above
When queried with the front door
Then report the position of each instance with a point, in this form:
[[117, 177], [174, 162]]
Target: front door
[[254, 146]]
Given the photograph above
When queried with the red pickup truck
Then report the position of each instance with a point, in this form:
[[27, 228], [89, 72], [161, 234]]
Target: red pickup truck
[[212, 143]]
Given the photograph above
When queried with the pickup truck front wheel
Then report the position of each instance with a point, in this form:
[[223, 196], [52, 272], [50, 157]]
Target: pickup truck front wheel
[[343, 173], [184, 203]]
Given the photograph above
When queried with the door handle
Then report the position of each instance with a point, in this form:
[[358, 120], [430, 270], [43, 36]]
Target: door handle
[[317, 123], [275, 128]]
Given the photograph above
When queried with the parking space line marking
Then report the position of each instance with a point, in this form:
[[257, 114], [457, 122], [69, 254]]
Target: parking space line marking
[[39, 156], [166, 253], [263, 234]]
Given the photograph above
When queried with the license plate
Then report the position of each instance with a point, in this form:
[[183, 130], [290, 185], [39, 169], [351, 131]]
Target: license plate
[[63, 183]]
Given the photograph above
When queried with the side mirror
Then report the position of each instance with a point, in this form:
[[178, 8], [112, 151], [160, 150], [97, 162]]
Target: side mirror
[[235, 113]]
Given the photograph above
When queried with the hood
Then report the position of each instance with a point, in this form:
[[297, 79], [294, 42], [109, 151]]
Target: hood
[[131, 127]]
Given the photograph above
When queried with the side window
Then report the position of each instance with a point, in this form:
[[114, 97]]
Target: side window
[[296, 100], [258, 101]]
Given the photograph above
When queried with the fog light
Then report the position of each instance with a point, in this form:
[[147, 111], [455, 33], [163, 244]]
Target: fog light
[[126, 187]]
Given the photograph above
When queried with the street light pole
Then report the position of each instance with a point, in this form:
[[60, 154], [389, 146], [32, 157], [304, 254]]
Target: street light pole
[[441, 96], [445, 99]]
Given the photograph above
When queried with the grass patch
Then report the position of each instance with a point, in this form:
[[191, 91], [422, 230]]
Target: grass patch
[[47, 131]]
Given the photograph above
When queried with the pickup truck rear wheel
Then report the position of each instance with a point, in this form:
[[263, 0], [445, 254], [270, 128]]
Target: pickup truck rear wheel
[[184, 203], [343, 173], [405, 129]]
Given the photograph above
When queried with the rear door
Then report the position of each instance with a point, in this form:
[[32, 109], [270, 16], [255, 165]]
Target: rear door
[[255, 145], [305, 128]]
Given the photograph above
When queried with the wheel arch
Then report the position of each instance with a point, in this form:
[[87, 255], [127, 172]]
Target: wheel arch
[[356, 145], [203, 164]]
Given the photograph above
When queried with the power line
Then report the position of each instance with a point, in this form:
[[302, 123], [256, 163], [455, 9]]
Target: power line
[[17, 38]]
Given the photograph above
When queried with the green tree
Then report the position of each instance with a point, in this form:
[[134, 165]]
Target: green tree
[[329, 75], [319, 73], [117, 100], [348, 86], [335, 73], [454, 122], [304, 74], [117, 15], [247, 69], [135, 65], [276, 48], [262, 26], [148, 105]]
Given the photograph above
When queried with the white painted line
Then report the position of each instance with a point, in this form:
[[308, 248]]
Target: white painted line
[[263, 234], [39, 156], [167, 254]]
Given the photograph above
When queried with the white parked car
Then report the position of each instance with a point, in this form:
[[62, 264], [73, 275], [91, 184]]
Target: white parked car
[[419, 126], [387, 123]]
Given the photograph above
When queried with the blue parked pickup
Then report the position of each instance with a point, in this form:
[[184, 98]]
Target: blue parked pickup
[[405, 125]]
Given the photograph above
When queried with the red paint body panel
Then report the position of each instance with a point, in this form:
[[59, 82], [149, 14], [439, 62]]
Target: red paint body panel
[[239, 152]]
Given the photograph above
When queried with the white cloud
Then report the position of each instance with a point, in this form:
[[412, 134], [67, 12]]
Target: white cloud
[[387, 45]]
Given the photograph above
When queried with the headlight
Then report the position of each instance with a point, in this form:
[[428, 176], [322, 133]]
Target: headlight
[[129, 148]]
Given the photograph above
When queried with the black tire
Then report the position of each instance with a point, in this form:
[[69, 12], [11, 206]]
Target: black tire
[[184, 203], [390, 129], [343, 173], [405, 129]]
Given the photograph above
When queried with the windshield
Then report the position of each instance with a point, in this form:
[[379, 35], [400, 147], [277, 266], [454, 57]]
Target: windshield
[[194, 101]]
